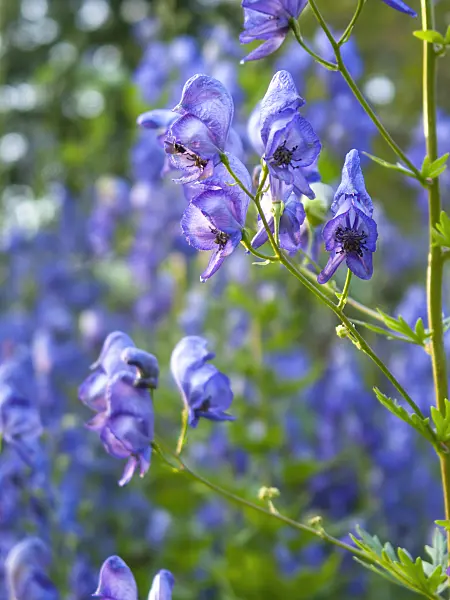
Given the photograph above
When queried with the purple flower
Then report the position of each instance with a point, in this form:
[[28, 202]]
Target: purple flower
[[289, 140], [26, 571], [194, 140], [352, 189], [352, 236], [215, 218], [116, 582], [291, 219], [118, 392], [401, 6], [205, 390], [162, 586], [268, 20]]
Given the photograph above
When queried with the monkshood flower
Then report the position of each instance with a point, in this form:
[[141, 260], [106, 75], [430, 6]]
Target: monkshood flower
[[291, 218], [117, 391], [26, 571], [215, 218], [268, 20], [195, 140], [205, 390], [352, 234], [290, 143], [116, 582], [401, 6]]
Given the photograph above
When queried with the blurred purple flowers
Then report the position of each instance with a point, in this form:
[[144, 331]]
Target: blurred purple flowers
[[289, 140], [205, 390], [268, 20], [116, 582], [26, 569], [118, 391], [352, 234]]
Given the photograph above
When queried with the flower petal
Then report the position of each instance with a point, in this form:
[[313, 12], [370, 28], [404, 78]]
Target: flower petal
[[281, 94], [215, 262], [401, 6], [352, 187], [207, 99], [116, 581], [162, 586], [216, 206], [197, 229], [362, 266], [333, 263], [159, 119], [267, 48], [194, 135]]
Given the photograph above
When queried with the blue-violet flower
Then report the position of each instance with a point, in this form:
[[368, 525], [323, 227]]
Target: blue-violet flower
[[118, 391], [205, 390]]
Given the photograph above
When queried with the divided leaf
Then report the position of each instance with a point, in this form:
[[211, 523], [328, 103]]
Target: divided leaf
[[420, 425], [428, 579], [442, 422], [441, 233], [431, 170], [418, 335]]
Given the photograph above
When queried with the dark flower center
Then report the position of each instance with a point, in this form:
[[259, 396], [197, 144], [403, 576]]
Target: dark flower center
[[177, 148], [221, 238], [351, 240], [206, 405], [283, 156]]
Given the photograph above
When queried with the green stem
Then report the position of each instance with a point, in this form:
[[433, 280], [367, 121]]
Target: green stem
[[277, 211], [183, 433], [226, 163], [344, 295], [347, 33], [359, 96], [435, 263], [250, 249], [183, 468], [295, 27]]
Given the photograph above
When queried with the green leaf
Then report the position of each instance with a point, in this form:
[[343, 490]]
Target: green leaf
[[445, 523], [418, 335], [447, 36], [431, 170], [434, 37], [442, 421], [420, 425], [400, 567], [395, 167], [441, 233]]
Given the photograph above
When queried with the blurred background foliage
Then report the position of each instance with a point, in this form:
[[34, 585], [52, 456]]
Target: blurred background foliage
[[90, 243]]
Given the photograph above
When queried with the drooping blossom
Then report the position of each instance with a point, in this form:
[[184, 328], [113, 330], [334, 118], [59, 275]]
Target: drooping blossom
[[26, 569], [401, 6], [292, 217], [215, 218], [116, 582], [352, 234], [206, 391], [195, 140], [290, 143], [118, 391], [268, 20]]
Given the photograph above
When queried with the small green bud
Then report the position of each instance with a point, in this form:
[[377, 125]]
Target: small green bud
[[316, 210], [342, 331], [315, 522], [267, 493]]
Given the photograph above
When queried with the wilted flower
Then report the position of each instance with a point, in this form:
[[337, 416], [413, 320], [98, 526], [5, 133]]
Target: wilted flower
[[268, 20], [26, 571], [291, 218], [352, 234], [118, 391], [194, 140], [289, 140], [215, 218], [205, 390], [116, 582], [401, 6]]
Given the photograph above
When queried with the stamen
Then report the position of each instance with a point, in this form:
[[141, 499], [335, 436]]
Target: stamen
[[283, 156], [221, 237], [351, 240]]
